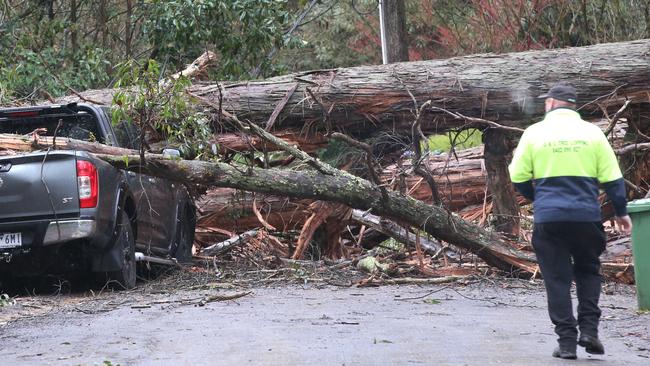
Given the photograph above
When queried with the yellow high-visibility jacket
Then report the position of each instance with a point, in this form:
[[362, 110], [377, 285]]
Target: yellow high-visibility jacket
[[559, 164]]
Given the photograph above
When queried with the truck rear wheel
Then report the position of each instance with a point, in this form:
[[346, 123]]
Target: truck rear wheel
[[125, 241]]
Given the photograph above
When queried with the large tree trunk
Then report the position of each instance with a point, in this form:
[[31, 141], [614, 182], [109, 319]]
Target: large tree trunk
[[497, 155], [500, 88], [344, 188], [393, 17], [636, 164], [462, 178]]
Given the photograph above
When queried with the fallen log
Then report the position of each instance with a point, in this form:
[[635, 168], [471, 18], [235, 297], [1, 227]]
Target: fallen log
[[233, 142], [501, 88], [232, 210], [338, 186], [460, 177], [31, 142], [334, 185]]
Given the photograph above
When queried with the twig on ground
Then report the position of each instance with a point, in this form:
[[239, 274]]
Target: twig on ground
[[258, 214], [423, 296], [212, 298]]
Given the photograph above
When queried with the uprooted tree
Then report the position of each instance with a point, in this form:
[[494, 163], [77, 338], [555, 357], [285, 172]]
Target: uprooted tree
[[495, 92]]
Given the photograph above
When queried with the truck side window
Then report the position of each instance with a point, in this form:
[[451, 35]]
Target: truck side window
[[126, 135]]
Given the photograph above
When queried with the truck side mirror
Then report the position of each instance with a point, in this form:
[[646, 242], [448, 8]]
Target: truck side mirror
[[171, 154]]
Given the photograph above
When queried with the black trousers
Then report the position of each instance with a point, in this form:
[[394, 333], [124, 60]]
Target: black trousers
[[567, 251]]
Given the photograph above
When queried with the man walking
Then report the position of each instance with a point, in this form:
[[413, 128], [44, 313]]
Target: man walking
[[559, 164]]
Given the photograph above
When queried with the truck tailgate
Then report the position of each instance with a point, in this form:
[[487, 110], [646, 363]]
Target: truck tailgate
[[38, 186]]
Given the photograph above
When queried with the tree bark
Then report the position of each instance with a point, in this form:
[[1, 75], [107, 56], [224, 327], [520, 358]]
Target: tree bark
[[501, 88], [11, 143], [74, 44], [461, 179], [395, 231], [395, 36], [497, 154], [221, 247], [344, 188], [128, 30], [635, 164]]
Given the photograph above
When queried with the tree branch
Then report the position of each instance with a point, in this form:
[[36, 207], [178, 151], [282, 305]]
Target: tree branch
[[416, 133], [479, 121]]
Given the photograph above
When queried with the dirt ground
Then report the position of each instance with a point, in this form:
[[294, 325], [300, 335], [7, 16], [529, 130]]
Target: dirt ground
[[299, 319]]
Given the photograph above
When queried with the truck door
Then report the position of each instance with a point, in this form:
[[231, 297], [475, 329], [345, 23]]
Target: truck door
[[153, 197]]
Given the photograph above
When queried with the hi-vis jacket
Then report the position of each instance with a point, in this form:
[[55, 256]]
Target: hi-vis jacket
[[566, 158]]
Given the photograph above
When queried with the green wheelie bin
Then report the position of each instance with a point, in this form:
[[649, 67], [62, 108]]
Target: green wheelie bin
[[639, 211]]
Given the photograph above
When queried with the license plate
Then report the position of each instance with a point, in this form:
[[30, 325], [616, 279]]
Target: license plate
[[10, 240]]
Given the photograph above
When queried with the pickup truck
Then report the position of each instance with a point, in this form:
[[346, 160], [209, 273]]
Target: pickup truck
[[63, 210]]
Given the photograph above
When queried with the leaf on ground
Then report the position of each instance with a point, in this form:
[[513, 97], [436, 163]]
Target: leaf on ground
[[431, 301]]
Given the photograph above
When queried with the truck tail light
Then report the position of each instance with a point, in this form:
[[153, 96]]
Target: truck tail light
[[88, 184]]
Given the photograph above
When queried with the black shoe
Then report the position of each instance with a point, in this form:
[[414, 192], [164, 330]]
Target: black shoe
[[591, 344], [565, 353]]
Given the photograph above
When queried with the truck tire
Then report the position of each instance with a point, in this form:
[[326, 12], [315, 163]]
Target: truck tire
[[185, 237], [125, 241]]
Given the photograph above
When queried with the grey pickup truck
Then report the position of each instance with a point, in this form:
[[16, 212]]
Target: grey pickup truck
[[63, 210]]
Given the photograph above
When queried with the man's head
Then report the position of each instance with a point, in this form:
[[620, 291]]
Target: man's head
[[561, 94]]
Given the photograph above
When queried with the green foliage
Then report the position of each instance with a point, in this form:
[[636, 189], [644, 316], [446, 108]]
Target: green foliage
[[431, 301], [464, 139], [336, 34], [31, 74], [242, 31], [390, 245], [48, 48], [43, 54], [519, 25], [159, 107]]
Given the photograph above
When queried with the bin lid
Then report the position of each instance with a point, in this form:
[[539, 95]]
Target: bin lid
[[641, 205]]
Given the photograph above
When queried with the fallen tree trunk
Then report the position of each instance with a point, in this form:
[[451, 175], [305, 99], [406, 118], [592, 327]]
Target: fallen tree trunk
[[11, 143], [338, 186], [233, 142], [343, 188], [461, 179], [500, 88], [232, 210]]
